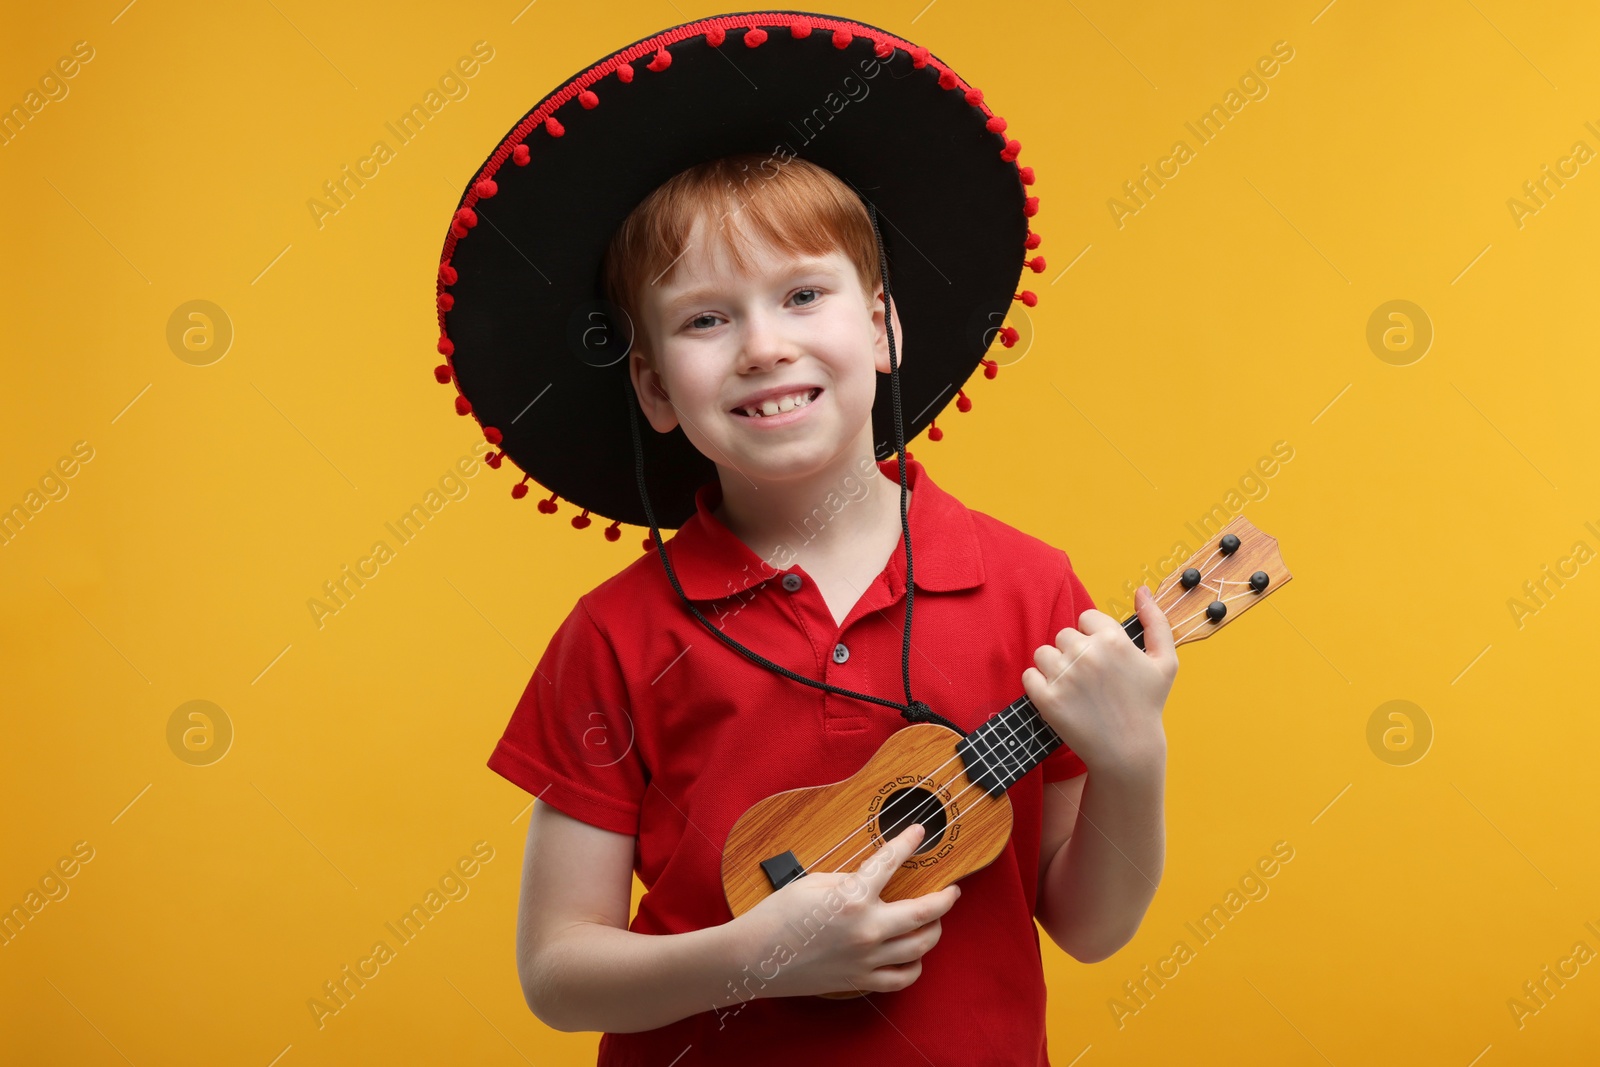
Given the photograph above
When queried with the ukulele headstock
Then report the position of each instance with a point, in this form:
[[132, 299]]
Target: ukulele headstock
[[1229, 575]]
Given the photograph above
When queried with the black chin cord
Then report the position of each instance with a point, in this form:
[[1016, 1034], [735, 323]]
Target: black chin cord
[[912, 710]]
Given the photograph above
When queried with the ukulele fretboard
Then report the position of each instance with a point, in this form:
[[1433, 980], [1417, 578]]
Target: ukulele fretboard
[[1008, 746]]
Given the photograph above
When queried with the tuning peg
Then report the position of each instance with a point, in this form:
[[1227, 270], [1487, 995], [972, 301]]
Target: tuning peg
[[1259, 580], [1190, 579], [1229, 544], [1216, 610]]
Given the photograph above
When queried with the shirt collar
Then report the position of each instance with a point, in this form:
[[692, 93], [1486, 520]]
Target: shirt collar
[[710, 561]]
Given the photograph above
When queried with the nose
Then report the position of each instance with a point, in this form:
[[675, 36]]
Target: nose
[[766, 343]]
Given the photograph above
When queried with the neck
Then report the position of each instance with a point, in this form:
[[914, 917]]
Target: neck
[[803, 518]]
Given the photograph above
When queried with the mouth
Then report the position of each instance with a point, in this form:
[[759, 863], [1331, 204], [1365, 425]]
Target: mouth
[[779, 412]]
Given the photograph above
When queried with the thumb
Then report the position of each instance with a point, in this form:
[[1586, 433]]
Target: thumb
[[1157, 628]]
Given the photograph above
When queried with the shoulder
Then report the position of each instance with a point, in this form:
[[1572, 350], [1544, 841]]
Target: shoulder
[[1017, 553]]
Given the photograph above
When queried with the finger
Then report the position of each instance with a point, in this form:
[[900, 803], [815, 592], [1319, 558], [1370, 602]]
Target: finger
[[1093, 621], [911, 945], [903, 916], [1157, 628], [881, 865]]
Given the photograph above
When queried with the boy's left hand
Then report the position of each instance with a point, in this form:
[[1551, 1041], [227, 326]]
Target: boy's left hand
[[1102, 694]]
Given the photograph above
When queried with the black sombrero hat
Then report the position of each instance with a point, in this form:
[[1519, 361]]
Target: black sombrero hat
[[535, 352]]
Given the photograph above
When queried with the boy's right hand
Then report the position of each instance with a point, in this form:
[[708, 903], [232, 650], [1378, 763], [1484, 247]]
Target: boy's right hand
[[829, 932]]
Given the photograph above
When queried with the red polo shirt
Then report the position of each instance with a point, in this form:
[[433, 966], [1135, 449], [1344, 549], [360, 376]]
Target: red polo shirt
[[639, 721]]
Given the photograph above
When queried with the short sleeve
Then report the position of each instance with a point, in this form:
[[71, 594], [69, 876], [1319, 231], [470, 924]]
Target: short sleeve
[[1071, 601], [571, 741]]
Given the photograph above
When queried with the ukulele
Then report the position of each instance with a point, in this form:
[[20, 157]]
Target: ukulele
[[956, 786]]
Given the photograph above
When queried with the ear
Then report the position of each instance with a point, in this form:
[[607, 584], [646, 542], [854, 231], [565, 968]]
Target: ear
[[651, 391], [880, 340]]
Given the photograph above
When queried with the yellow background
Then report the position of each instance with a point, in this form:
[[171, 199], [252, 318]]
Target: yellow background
[[1229, 313]]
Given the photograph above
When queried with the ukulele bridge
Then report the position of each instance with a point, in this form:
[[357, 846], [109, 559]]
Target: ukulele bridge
[[782, 869]]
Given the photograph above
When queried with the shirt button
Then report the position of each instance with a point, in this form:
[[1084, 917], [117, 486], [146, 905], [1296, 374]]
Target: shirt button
[[840, 653], [791, 582]]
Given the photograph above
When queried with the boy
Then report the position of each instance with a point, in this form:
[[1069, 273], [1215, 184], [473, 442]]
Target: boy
[[761, 321]]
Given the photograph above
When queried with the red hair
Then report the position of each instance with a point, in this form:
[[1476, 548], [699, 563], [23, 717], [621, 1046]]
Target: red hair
[[793, 204]]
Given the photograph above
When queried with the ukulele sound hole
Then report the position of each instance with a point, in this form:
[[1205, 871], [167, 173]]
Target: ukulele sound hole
[[907, 806]]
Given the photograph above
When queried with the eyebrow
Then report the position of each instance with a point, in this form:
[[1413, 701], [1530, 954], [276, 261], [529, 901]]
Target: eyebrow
[[804, 266]]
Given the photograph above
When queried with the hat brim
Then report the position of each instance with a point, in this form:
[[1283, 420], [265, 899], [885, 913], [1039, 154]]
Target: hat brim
[[530, 341]]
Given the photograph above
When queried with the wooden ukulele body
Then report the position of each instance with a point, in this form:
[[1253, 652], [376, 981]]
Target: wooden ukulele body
[[915, 776]]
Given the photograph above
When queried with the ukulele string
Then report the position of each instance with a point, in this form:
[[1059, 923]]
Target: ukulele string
[[867, 825]]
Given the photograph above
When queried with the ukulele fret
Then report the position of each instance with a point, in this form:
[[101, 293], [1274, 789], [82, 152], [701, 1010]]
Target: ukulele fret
[[1006, 747]]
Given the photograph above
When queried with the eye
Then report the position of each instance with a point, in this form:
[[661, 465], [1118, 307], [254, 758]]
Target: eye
[[809, 289], [702, 318]]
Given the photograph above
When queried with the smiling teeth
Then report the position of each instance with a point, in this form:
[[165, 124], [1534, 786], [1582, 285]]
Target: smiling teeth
[[779, 406]]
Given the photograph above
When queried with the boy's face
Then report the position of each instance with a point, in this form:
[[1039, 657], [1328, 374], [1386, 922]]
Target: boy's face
[[718, 338]]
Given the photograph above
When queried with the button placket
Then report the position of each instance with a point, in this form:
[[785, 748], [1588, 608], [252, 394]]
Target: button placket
[[840, 652]]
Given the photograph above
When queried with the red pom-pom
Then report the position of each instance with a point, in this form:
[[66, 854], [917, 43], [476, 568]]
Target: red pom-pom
[[842, 38], [446, 346], [458, 230], [1036, 264], [462, 407], [625, 73], [614, 531], [492, 435], [588, 99], [975, 97], [715, 36], [554, 128], [1032, 241], [647, 544], [1028, 297], [934, 433], [1026, 174], [996, 124], [1008, 337], [494, 459], [754, 37], [1011, 151], [446, 301], [919, 57], [660, 61], [520, 490], [486, 188], [467, 217], [990, 368], [548, 507], [520, 155], [447, 274], [800, 29], [581, 521], [883, 49], [441, 374], [963, 401], [947, 79], [1030, 206]]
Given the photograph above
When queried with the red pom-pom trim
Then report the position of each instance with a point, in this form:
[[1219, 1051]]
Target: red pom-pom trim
[[1008, 335], [963, 401], [462, 407], [625, 73], [446, 301], [492, 435], [447, 274], [588, 99], [467, 217], [753, 37], [520, 490], [457, 229], [800, 30], [1030, 206], [842, 38], [975, 97], [548, 507], [494, 459], [919, 57], [1026, 174], [947, 79], [1028, 297], [447, 347], [614, 531], [581, 521], [934, 433], [1036, 264], [1011, 151], [883, 49], [554, 128], [990, 368], [486, 188], [647, 544], [715, 36], [520, 155], [996, 124], [660, 61], [1032, 241], [441, 374]]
